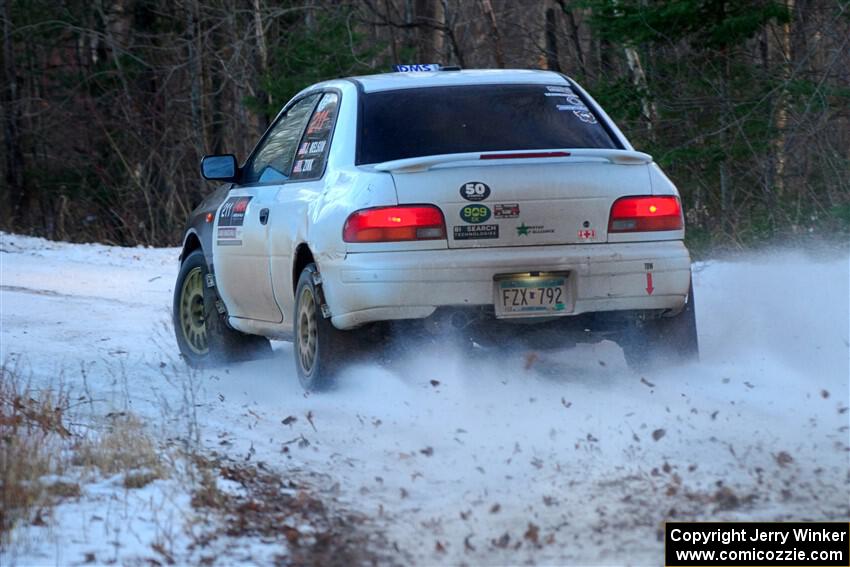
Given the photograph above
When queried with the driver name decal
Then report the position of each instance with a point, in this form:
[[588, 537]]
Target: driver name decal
[[231, 217]]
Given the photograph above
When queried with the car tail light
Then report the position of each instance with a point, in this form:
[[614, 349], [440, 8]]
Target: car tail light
[[393, 224], [639, 214]]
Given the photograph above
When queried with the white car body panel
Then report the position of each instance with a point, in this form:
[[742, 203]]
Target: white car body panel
[[363, 283], [560, 200], [242, 271], [602, 277]]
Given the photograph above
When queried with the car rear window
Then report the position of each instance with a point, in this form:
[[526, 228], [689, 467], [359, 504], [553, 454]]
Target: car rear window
[[408, 123]]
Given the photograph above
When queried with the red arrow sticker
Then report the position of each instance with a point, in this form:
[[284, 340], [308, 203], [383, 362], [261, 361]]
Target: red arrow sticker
[[649, 288]]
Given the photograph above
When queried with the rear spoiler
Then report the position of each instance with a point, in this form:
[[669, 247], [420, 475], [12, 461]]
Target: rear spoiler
[[424, 163]]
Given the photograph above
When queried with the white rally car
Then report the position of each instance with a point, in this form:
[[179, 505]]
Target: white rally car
[[493, 203]]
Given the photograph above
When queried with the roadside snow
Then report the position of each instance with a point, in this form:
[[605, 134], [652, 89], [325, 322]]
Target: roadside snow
[[107, 524], [565, 457]]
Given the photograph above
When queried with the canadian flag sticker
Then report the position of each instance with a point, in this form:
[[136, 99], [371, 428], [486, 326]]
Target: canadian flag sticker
[[587, 234]]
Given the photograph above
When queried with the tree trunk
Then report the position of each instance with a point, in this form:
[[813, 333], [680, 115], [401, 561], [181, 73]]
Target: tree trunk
[[263, 65], [573, 33], [393, 38], [769, 165], [727, 197], [650, 112], [217, 116], [427, 32], [19, 197], [552, 62], [196, 81], [449, 33], [487, 8], [782, 104]]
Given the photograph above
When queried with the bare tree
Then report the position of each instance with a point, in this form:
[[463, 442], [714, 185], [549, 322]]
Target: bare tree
[[19, 198]]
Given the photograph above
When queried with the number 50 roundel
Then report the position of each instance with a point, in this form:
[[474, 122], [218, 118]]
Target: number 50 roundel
[[474, 191]]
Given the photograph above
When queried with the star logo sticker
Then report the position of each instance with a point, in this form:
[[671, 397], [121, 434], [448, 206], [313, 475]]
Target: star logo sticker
[[522, 230]]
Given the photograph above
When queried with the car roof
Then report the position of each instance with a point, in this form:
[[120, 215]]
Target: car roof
[[420, 79]]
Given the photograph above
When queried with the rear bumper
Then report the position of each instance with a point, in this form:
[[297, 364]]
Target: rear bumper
[[379, 286]]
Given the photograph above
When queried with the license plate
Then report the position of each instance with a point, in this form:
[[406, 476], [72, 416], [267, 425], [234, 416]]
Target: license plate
[[529, 296]]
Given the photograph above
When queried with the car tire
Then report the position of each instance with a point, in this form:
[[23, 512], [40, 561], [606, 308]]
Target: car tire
[[664, 340], [319, 348], [203, 335]]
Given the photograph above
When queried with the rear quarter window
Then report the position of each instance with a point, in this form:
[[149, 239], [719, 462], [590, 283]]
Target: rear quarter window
[[409, 123], [313, 150]]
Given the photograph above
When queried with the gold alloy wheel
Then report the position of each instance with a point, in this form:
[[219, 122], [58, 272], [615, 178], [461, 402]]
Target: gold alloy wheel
[[192, 312], [307, 330]]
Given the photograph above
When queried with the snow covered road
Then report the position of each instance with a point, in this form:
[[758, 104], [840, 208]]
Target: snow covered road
[[565, 458]]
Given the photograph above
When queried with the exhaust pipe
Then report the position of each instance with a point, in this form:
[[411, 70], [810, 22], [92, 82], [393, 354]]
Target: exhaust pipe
[[444, 322]]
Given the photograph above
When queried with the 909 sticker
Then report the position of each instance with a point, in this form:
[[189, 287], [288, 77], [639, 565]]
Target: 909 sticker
[[475, 213]]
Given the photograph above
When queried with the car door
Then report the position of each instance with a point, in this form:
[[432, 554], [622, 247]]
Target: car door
[[241, 243], [294, 200]]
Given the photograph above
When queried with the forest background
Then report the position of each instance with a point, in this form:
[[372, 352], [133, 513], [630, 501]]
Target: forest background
[[108, 106]]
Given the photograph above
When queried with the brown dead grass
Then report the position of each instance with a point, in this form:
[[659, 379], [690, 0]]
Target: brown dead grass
[[42, 463], [124, 446], [32, 435], [37, 444]]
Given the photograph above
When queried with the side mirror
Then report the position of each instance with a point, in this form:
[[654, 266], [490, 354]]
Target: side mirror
[[219, 168]]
